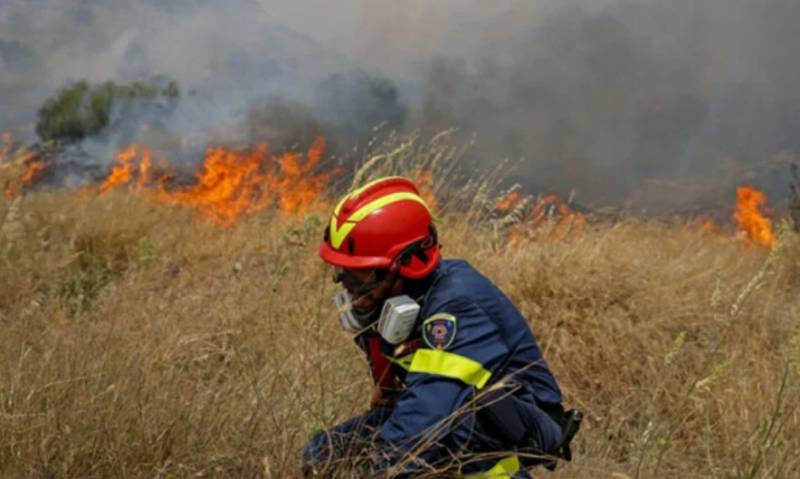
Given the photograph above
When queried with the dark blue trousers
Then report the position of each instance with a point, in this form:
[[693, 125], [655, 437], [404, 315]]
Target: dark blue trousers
[[350, 445]]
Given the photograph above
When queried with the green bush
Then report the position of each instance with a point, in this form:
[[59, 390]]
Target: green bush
[[81, 109]]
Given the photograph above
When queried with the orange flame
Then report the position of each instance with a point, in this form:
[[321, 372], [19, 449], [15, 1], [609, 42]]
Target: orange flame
[[550, 208], [568, 218], [34, 169], [514, 237], [544, 208], [300, 189], [231, 183], [571, 220], [552, 205], [127, 167], [749, 217], [508, 202], [30, 168], [424, 182]]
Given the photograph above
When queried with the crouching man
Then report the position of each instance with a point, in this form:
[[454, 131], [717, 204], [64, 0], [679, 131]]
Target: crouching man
[[461, 387]]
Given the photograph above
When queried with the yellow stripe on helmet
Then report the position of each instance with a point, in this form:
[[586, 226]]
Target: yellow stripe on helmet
[[362, 189], [339, 233]]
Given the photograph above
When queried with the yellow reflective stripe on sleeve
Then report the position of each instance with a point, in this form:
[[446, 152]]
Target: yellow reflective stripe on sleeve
[[339, 233], [434, 361], [505, 468]]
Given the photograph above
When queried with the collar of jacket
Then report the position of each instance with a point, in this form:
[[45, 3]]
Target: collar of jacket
[[421, 288]]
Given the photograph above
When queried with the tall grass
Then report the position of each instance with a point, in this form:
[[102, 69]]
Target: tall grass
[[139, 341]]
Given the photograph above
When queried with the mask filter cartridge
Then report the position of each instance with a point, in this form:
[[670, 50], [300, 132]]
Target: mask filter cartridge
[[398, 317]]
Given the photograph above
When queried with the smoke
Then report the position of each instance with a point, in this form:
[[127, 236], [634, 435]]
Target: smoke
[[661, 103], [631, 99], [236, 66]]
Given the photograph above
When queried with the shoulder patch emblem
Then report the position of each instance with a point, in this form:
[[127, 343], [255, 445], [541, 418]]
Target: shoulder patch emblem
[[439, 330]]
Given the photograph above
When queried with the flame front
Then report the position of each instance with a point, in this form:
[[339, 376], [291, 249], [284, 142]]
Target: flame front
[[131, 162], [27, 166], [550, 209], [568, 218], [509, 202], [230, 183], [300, 189], [749, 216]]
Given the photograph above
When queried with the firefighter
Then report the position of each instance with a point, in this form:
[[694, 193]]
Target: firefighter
[[460, 382]]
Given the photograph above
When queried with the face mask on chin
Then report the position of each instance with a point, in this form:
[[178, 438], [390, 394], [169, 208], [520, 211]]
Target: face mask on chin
[[361, 303]]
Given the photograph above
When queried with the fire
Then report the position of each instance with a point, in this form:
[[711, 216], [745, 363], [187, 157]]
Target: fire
[[127, 167], [568, 218], [550, 208], [34, 169], [545, 207], [509, 202], [424, 182], [27, 166], [571, 221], [300, 189], [749, 217], [231, 183]]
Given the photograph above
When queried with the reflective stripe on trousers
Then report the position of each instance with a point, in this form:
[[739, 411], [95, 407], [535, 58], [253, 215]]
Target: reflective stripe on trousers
[[504, 468]]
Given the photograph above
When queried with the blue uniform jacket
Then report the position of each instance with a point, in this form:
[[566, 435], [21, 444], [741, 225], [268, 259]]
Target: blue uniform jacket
[[473, 335]]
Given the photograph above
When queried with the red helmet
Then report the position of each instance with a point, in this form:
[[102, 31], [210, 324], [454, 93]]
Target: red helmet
[[383, 224]]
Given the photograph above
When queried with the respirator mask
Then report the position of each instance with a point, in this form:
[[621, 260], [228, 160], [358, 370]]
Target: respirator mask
[[395, 323], [354, 320], [394, 320]]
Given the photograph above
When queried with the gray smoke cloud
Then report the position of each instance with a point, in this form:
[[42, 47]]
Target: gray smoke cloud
[[663, 104], [668, 103]]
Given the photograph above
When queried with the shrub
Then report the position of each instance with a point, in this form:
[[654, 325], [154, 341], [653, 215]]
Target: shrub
[[81, 109]]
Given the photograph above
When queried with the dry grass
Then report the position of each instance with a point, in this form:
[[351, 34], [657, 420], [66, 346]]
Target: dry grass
[[138, 341]]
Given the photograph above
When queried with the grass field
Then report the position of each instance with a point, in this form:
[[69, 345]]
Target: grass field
[[139, 340]]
